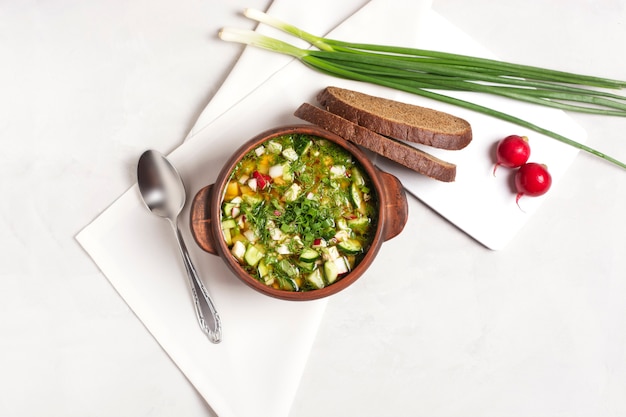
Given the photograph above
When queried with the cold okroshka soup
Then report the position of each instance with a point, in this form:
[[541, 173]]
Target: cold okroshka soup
[[298, 212]]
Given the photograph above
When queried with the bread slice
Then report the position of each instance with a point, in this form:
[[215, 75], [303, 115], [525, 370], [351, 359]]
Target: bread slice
[[394, 150], [398, 120]]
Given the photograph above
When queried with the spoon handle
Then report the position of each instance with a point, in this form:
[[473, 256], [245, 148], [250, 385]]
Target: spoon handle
[[205, 309]]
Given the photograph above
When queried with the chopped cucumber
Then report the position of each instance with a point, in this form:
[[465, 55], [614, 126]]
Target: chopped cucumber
[[286, 283], [315, 278], [287, 174], [290, 154], [227, 236], [293, 284], [253, 255], [292, 193], [274, 147], [307, 266], [309, 255], [252, 199], [228, 209], [237, 237], [288, 268], [350, 246], [263, 268], [330, 271], [357, 177], [229, 224], [357, 198], [269, 279], [359, 224]]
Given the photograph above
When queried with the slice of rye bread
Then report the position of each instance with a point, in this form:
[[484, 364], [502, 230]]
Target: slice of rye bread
[[394, 150], [398, 120]]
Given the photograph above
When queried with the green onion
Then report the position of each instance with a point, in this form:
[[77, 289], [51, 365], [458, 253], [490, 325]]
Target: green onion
[[425, 73]]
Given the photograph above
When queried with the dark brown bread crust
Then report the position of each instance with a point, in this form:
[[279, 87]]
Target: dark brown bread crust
[[398, 120], [398, 152]]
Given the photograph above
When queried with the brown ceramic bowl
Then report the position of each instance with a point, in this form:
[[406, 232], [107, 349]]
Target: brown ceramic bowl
[[206, 209]]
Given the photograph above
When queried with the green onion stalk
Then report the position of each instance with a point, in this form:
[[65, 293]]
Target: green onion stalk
[[427, 73]]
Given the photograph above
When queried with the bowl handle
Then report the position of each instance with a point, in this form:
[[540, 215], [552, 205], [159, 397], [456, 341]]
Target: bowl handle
[[200, 220], [396, 208]]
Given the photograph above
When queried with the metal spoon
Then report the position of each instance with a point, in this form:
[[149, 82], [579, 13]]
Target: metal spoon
[[163, 192]]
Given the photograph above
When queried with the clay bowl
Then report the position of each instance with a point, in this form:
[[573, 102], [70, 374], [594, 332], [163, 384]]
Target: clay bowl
[[206, 209]]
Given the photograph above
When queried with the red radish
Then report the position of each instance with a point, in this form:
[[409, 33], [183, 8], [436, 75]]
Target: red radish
[[262, 180], [533, 180], [512, 152]]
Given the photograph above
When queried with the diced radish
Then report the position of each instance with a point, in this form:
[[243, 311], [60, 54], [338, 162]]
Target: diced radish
[[241, 221], [342, 235], [262, 181], [290, 154], [260, 150], [238, 250], [337, 171], [274, 147], [252, 183], [342, 265], [250, 235], [276, 234], [319, 243], [276, 171], [283, 249], [292, 193], [297, 240], [331, 254]]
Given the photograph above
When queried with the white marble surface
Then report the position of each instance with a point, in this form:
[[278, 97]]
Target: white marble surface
[[536, 329]]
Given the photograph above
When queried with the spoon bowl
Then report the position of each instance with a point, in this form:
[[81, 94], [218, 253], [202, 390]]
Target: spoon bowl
[[160, 185], [163, 193]]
